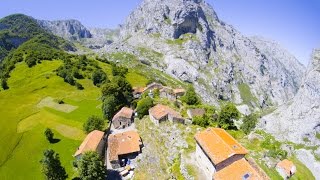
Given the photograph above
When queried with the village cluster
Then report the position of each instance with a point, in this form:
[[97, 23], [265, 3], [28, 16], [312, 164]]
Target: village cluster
[[218, 154]]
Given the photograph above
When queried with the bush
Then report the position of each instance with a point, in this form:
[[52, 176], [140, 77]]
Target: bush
[[143, 106], [228, 113], [93, 123], [202, 121], [119, 70], [249, 123], [4, 84], [191, 97], [49, 134], [51, 166]]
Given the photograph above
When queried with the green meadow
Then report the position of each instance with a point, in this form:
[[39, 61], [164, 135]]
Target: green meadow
[[23, 122]]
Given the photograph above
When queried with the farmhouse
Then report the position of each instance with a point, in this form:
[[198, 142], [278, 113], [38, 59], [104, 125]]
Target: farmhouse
[[195, 112], [137, 92], [286, 168], [153, 86], [167, 92], [93, 142], [123, 118], [179, 92], [122, 147], [221, 156], [161, 113]]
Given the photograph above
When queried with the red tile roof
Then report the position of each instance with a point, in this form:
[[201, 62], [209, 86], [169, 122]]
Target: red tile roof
[[218, 144], [123, 143], [159, 111], [90, 143], [286, 165], [124, 112]]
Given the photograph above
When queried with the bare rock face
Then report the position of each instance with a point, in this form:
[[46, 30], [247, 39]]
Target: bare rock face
[[299, 120], [68, 29], [198, 47]]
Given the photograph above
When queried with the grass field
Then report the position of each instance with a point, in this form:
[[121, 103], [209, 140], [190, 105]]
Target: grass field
[[23, 123]]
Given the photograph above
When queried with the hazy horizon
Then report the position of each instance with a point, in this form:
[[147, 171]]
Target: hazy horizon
[[292, 23]]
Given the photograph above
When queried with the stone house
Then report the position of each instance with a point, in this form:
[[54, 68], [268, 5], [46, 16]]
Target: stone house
[[160, 113], [137, 92], [153, 86], [286, 168], [195, 112], [167, 92], [122, 147], [220, 156], [123, 118], [93, 142], [179, 92]]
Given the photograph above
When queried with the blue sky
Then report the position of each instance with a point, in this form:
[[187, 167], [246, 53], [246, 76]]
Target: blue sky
[[295, 24]]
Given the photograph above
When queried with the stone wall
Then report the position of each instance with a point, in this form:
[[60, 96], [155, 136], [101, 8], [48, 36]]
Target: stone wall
[[204, 162]]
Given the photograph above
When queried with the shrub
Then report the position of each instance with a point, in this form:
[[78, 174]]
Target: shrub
[[202, 121], [4, 84], [79, 86], [99, 77], [143, 106], [93, 123], [119, 70]]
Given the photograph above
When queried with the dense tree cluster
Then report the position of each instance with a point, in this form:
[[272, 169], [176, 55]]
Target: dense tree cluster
[[116, 94]]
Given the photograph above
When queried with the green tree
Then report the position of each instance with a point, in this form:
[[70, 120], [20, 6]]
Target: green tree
[[99, 77], [119, 70], [79, 86], [249, 123], [51, 166], [110, 106], [91, 167], [228, 113], [93, 123], [49, 134], [143, 106], [191, 97]]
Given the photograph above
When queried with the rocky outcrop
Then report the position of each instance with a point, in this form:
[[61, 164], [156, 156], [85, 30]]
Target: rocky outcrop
[[199, 48], [100, 38], [299, 120], [68, 29]]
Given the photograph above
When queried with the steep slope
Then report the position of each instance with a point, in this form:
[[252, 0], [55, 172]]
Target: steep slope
[[68, 29], [300, 118], [198, 47]]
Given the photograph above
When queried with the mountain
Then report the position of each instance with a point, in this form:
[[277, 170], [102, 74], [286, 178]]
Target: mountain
[[298, 120], [197, 47], [15, 30], [68, 29], [286, 122]]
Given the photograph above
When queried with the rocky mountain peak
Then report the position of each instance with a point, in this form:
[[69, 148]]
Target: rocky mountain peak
[[199, 48], [68, 29]]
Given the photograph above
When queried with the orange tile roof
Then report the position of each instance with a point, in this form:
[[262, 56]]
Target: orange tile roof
[[237, 170], [124, 112], [286, 165], [159, 111], [137, 90], [90, 143], [218, 144], [179, 90], [123, 143]]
